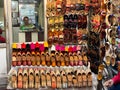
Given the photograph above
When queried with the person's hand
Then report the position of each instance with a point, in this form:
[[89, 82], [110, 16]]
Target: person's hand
[[108, 83]]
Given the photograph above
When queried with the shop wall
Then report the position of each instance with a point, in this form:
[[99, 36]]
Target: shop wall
[[3, 63]]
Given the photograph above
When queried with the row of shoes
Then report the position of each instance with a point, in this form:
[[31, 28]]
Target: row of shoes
[[50, 78], [35, 58]]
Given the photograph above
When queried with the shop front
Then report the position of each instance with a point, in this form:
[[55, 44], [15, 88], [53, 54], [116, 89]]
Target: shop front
[[58, 44]]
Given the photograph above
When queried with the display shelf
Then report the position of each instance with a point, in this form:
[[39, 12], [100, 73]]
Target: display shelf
[[94, 84]]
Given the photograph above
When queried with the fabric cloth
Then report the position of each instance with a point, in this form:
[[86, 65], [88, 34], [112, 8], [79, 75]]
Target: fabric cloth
[[116, 79], [115, 87]]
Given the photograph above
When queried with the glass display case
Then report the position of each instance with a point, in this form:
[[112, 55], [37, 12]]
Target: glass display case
[[32, 29]]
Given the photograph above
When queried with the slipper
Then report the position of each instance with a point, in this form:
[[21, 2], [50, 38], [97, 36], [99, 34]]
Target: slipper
[[14, 60], [75, 82], [18, 46], [48, 79], [70, 49], [62, 48], [69, 78], [37, 45], [38, 59], [75, 59], [20, 79], [28, 58], [43, 61], [19, 58], [85, 60], [25, 78], [28, 47], [108, 60], [57, 47], [57, 56], [43, 79], [66, 48], [58, 80], [71, 59], [113, 61], [33, 58], [31, 78], [45, 44], [84, 78], [23, 45], [80, 62], [48, 62], [53, 60], [89, 77], [24, 62], [14, 79], [79, 78], [37, 78], [61, 37], [52, 48], [32, 46], [54, 83], [64, 79], [62, 59], [42, 48], [67, 62], [14, 46]]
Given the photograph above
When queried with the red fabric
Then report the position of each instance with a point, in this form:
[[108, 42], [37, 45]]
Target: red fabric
[[116, 79]]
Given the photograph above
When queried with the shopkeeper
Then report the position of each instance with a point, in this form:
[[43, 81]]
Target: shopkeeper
[[26, 25]]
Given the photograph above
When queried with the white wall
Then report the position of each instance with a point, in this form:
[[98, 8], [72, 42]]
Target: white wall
[[3, 63]]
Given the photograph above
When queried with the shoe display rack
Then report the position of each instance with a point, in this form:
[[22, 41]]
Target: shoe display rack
[[33, 66], [109, 37], [66, 59]]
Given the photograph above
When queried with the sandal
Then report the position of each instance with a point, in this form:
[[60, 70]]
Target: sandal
[[48, 79], [43, 62], [37, 78], [31, 78], [28, 58], [25, 78], [38, 59], [14, 79], [20, 79], [33, 58]]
